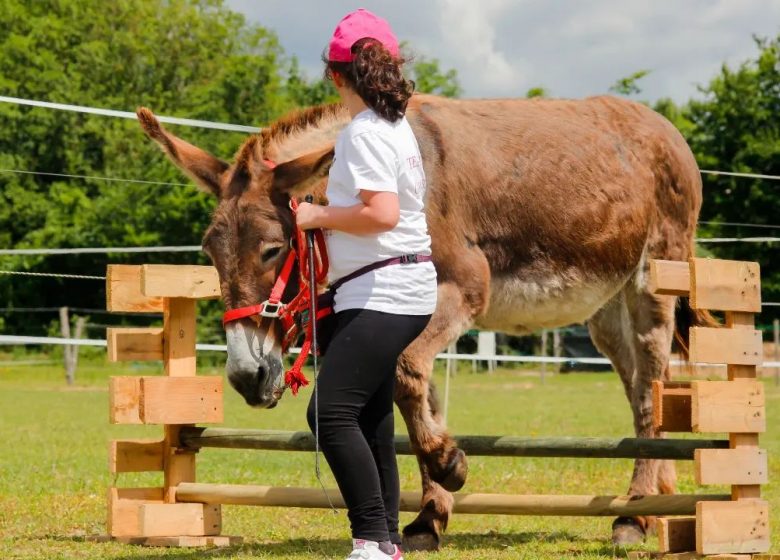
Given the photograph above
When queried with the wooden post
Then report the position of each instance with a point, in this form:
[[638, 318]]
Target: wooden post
[[739, 526], [776, 331], [153, 516], [544, 355], [451, 349], [557, 349], [66, 350], [179, 357], [70, 352], [736, 406]]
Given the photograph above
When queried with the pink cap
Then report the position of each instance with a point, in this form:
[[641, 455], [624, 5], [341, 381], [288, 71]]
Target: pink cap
[[358, 25]]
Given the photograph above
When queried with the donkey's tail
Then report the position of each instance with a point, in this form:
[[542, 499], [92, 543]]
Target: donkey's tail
[[686, 317]]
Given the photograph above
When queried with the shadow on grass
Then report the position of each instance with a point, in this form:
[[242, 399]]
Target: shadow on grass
[[334, 548], [558, 539]]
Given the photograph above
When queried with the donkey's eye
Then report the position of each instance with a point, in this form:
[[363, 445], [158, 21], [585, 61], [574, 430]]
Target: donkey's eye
[[270, 252]]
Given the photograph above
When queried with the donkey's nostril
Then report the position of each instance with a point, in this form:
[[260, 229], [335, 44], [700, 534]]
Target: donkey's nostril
[[262, 374]]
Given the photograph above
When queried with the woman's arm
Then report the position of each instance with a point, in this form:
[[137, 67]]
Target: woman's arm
[[378, 212]]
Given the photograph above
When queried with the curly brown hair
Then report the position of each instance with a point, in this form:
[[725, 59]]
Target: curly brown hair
[[376, 76]]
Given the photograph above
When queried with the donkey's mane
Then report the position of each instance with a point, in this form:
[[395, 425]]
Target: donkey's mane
[[297, 133], [297, 121]]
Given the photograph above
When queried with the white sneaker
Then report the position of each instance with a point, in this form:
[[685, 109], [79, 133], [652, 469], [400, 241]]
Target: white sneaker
[[369, 550]]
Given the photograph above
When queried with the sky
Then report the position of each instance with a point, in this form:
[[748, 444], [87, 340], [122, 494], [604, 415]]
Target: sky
[[573, 48]]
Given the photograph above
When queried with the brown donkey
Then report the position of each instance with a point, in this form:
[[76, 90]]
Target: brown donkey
[[543, 213]]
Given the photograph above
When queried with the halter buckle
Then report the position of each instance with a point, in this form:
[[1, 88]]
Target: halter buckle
[[272, 310]]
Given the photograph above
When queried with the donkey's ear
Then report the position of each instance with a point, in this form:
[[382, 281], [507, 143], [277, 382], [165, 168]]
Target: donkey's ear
[[203, 168], [299, 175]]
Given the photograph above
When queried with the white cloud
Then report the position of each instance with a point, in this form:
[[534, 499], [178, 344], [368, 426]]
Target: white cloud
[[468, 32], [572, 47]]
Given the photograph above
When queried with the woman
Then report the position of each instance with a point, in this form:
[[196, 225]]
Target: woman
[[375, 217]]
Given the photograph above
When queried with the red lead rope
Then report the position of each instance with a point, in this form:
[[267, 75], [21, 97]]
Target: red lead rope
[[297, 306]]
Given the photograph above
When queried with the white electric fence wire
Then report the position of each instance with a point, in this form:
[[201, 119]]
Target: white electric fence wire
[[245, 128], [197, 248], [98, 250], [45, 340], [94, 178], [51, 275], [736, 174], [738, 240], [739, 224], [129, 115]]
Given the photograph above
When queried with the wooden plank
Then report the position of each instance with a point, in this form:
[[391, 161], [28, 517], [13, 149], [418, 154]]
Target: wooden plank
[[125, 344], [676, 534], [728, 406], [732, 527], [670, 278], [135, 455], [731, 466], [179, 464], [124, 400], [181, 400], [179, 332], [123, 506], [742, 442], [481, 446], [646, 555], [740, 320], [725, 285], [180, 281], [726, 346], [217, 541], [502, 504], [169, 520], [123, 291], [672, 406]]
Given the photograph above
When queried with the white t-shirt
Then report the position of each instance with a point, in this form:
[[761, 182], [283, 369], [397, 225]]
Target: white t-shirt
[[374, 154]]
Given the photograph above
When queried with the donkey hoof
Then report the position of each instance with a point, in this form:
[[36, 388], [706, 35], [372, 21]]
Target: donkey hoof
[[421, 541], [627, 531], [453, 477]]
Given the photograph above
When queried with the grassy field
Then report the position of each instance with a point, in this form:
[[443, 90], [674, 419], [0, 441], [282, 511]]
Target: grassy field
[[53, 469]]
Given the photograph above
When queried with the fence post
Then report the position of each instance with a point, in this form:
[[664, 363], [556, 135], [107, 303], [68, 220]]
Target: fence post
[[70, 352], [776, 329], [557, 349], [544, 355], [66, 350], [451, 369]]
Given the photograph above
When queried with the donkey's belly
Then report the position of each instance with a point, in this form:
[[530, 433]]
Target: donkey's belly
[[521, 306]]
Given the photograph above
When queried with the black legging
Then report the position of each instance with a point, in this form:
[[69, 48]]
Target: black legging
[[355, 387]]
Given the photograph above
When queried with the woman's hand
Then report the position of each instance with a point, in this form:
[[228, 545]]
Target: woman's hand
[[378, 212], [309, 216]]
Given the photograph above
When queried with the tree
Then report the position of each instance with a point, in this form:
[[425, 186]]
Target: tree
[[735, 128], [537, 91], [429, 78], [628, 85], [185, 58]]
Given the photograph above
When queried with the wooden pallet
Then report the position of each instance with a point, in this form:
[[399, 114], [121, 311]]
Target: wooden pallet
[[738, 528], [151, 516]]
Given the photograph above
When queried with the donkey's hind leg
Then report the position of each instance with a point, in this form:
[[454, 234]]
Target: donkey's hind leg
[[635, 331], [443, 466]]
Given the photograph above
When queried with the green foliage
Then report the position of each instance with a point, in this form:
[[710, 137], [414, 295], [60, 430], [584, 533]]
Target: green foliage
[[628, 85], [430, 78], [194, 59], [735, 128], [537, 91], [304, 93]]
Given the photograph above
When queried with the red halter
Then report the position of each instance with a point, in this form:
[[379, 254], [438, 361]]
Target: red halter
[[287, 313]]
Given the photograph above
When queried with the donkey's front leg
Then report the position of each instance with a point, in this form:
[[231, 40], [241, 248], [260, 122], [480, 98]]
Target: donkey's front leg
[[443, 466]]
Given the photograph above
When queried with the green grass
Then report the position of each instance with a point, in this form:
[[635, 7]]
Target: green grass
[[53, 468]]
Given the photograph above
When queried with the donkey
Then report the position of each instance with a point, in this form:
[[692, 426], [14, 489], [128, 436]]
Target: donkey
[[542, 213]]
